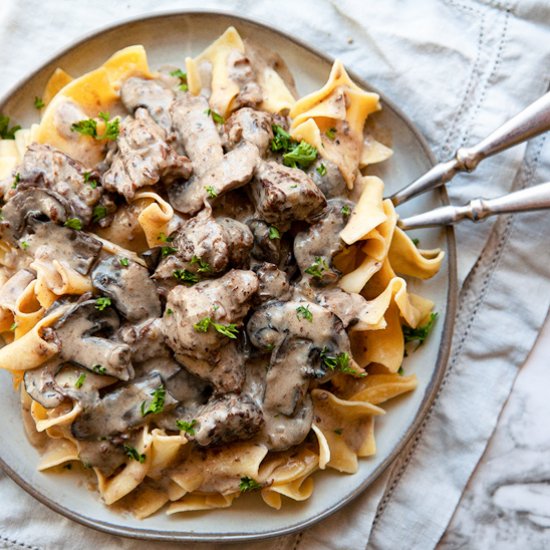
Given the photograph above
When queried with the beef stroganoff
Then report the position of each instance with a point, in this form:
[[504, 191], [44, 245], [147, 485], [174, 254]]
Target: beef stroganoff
[[203, 293]]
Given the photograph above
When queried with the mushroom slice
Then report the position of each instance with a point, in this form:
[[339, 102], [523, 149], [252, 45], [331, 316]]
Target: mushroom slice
[[49, 241], [349, 307], [315, 248], [120, 410], [75, 332], [230, 417], [133, 293]]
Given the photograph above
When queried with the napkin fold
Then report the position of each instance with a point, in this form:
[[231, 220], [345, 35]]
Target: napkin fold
[[458, 68]]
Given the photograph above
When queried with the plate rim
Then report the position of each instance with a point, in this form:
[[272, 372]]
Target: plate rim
[[446, 337]]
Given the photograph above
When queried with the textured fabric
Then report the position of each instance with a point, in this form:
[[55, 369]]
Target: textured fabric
[[458, 69]]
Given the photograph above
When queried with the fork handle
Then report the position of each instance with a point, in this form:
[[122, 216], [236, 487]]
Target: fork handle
[[531, 122], [532, 198]]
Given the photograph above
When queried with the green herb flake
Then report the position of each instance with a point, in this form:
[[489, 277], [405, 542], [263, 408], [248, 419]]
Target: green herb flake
[[99, 212], [164, 239], [13, 327], [16, 180], [419, 334], [400, 371], [88, 127], [339, 362], [132, 453], [270, 347], [203, 267], [185, 276], [416, 242], [321, 170], [183, 87], [331, 133], [274, 233], [102, 303], [281, 140], [211, 192], [202, 325], [80, 381], [302, 312], [187, 427], [87, 179], [99, 369], [157, 403], [124, 262], [317, 268], [24, 245], [38, 103], [167, 250], [248, 484], [180, 74], [169, 311], [301, 156], [230, 330], [73, 223], [5, 131], [216, 117], [346, 211]]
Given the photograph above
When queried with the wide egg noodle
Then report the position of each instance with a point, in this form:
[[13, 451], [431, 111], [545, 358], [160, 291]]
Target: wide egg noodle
[[55, 84], [154, 218], [57, 453]]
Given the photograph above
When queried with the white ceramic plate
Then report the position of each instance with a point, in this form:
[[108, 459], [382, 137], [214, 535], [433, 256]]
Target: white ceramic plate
[[168, 38]]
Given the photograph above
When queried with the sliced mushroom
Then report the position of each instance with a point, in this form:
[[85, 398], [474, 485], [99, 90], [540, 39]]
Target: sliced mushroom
[[132, 291], [315, 248], [75, 331], [349, 307]]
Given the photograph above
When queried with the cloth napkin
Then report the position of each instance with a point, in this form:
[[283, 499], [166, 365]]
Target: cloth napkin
[[458, 68]]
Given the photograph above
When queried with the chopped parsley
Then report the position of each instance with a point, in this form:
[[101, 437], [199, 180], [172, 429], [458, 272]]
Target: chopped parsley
[[400, 371], [24, 245], [302, 312], [157, 403], [339, 362], [183, 79], [274, 233], [419, 334], [248, 484], [416, 242], [204, 267], [102, 303], [99, 369], [187, 427], [346, 210], [169, 311], [211, 192], [167, 250], [331, 133], [338, 431], [99, 212], [13, 327], [321, 170], [80, 381], [216, 117], [317, 268], [16, 180], [164, 239], [281, 139], [88, 127], [230, 330], [124, 262], [270, 347], [38, 103], [132, 453], [73, 223], [87, 179], [5, 131], [301, 156], [185, 276]]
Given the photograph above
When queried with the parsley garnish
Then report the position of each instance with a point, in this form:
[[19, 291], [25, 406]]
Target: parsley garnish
[[24, 245], [38, 103], [88, 127], [157, 403], [301, 156], [419, 334], [185, 276], [102, 303], [90, 182], [73, 223], [99, 369], [416, 242], [304, 313], [317, 268], [5, 131], [133, 454], [331, 133], [274, 233], [13, 327], [99, 212], [187, 427], [80, 381], [16, 180], [248, 484], [230, 330], [400, 371], [346, 210], [321, 170], [339, 362], [164, 239], [216, 117], [270, 347], [204, 267], [211, 191], [183, 79], [124, 262], [167, 250], [169, 311], [281, 139]]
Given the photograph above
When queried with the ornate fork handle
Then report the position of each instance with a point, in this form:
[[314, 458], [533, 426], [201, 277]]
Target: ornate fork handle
[[532, 121], [532, 198]]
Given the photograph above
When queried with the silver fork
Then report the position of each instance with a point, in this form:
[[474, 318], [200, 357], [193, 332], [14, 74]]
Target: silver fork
[[531, 122]]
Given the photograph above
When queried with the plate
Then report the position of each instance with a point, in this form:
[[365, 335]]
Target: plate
[[168, 38]]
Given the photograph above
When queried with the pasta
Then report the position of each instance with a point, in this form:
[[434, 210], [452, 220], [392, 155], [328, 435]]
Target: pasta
[[192, 305]]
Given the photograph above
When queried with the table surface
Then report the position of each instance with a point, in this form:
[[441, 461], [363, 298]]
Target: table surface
[[506, 504]]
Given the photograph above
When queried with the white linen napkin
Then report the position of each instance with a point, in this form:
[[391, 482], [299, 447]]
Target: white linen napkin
[[458, 68]]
